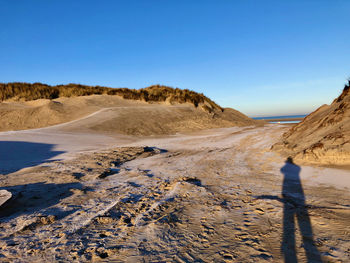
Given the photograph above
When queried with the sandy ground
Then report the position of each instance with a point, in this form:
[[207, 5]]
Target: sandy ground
[[218, 195]]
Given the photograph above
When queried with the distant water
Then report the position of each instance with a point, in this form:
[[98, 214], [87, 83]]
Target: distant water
[[279, 117], [284, 121], [286, 117]]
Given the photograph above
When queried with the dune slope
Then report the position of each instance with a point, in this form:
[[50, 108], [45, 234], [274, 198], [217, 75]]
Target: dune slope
[[323, 137], [114, 114]]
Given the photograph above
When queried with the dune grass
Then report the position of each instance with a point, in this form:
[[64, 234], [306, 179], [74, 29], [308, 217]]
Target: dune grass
[[345, 92], [156, 93]]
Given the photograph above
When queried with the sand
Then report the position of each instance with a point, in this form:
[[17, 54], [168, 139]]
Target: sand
[[218, 195], [323, 137], [113, 115]]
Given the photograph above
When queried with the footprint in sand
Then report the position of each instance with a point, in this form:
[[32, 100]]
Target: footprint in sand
[[259, 211]]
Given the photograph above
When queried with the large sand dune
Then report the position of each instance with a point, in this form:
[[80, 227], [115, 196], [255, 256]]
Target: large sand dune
[[112, 114], [67, 126], [323, 137]]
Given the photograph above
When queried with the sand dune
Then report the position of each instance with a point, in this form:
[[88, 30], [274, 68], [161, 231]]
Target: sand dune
[[323, 137], [93, 187], [112, 114], [70, 125]]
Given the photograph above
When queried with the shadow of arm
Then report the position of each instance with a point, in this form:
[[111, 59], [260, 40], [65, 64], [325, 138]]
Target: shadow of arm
[[270, 197]]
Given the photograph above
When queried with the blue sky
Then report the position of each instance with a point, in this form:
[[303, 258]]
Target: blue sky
[[260, 57]]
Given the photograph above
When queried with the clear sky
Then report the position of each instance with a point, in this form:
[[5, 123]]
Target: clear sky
[[259, 57]]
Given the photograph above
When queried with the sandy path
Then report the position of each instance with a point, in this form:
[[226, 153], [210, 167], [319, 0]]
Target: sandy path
[[214, 196]]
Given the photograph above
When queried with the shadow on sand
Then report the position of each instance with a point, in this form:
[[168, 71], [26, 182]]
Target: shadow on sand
[[15, 155], [30, 198], [295, 209]]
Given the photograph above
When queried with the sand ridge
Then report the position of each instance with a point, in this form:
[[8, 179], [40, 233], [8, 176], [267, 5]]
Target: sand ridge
[[323, 137], [113, 114]]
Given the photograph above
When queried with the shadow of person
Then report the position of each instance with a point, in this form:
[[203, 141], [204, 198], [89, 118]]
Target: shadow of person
[[295, 209]]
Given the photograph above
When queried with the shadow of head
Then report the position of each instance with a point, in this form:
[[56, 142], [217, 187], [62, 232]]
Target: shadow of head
[[290, 170], [290, 160], [16, 155]]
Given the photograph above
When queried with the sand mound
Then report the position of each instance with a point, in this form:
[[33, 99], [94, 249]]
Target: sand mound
[[323, 137], [4, 196], [114, 114]]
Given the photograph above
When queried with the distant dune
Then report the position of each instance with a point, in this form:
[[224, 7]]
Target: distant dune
[[323, 137], [156, 110], [20, 91]]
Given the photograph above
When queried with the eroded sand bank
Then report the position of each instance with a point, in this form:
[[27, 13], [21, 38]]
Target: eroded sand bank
[[212, 196]]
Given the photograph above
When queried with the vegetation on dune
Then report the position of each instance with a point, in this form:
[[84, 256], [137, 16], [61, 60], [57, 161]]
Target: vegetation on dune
[[155, 93], [345, 92], [347, 86]]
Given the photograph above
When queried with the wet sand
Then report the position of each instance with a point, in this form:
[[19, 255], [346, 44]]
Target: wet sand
[[218, 195]]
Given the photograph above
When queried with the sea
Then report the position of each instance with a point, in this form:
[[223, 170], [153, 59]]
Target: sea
[[285, 117]]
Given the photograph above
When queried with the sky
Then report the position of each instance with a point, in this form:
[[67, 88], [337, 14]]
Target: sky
[[262, 58]]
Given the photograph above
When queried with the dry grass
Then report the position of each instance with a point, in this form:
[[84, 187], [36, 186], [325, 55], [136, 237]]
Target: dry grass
[[345, 92], [155, 93]]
